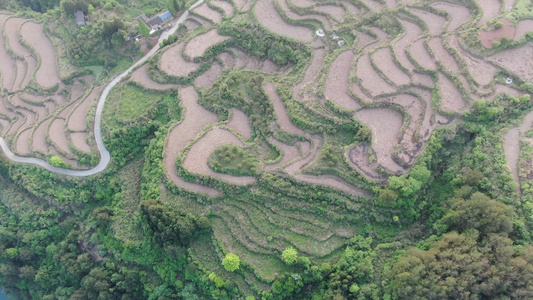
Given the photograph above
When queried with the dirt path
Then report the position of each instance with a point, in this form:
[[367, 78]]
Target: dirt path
[[197, 157], [195, 118], [336, 89]]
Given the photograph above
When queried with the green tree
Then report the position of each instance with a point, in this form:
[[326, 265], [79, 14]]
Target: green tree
[[231, 262], [289, 255], [144, 30]]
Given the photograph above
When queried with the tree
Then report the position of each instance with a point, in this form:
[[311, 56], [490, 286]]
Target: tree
[[144, 30], [289, 255], [231, 262]]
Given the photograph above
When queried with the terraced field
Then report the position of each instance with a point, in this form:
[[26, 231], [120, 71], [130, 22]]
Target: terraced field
[[50, 122], [402, 84], [400, 77]]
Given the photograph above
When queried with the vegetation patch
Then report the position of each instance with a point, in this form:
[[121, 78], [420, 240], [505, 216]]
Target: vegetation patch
[[233, 160]]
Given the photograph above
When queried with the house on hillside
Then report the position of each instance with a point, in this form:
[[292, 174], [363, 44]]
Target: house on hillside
[[80, 18], [156, 20]]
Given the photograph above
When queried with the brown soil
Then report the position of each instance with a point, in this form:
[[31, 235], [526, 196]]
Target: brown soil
[[311, 72], [243, 5], [23, 108], [422, 79], [21, 72], [369, 79], [281, 111], [13, 37], [458, 14], [452, 100], [174, 64], [268, 16], [336, 12], [240, 58], [203, 22], [254, 63], [16, 123], [47, 74], [7, 109], [207, 79], [7, 65], [382, 38], [240, 122], [412, 32], [195, 118], [337, 82], [511, 146], [192, 24], [427, 125], [39, 143], [226, 58], [507, 90], [79, 140], [208, 13], [421, 55], [442, 55], [196, 46], [358, 158], [302, 3], [269, 66], [361, 95], [23, 143], [363, 40], [334, 182], [491, 9], [373, 5], [198, 155], [434, 22], [141, 77], [77, 121], [58, 135], [383, 60], [226, 6], [289, 153], [351, 9], [4, 126], [516, 61], [325, 22], [298, 165], [489, 37], [385, 125], [391, 4], [523, 27], [31, 64], [482, 71]]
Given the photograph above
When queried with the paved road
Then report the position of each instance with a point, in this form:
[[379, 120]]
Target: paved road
[[104, 153]]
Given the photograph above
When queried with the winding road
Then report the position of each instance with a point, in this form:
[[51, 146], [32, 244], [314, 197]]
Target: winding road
[[104, 153]]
